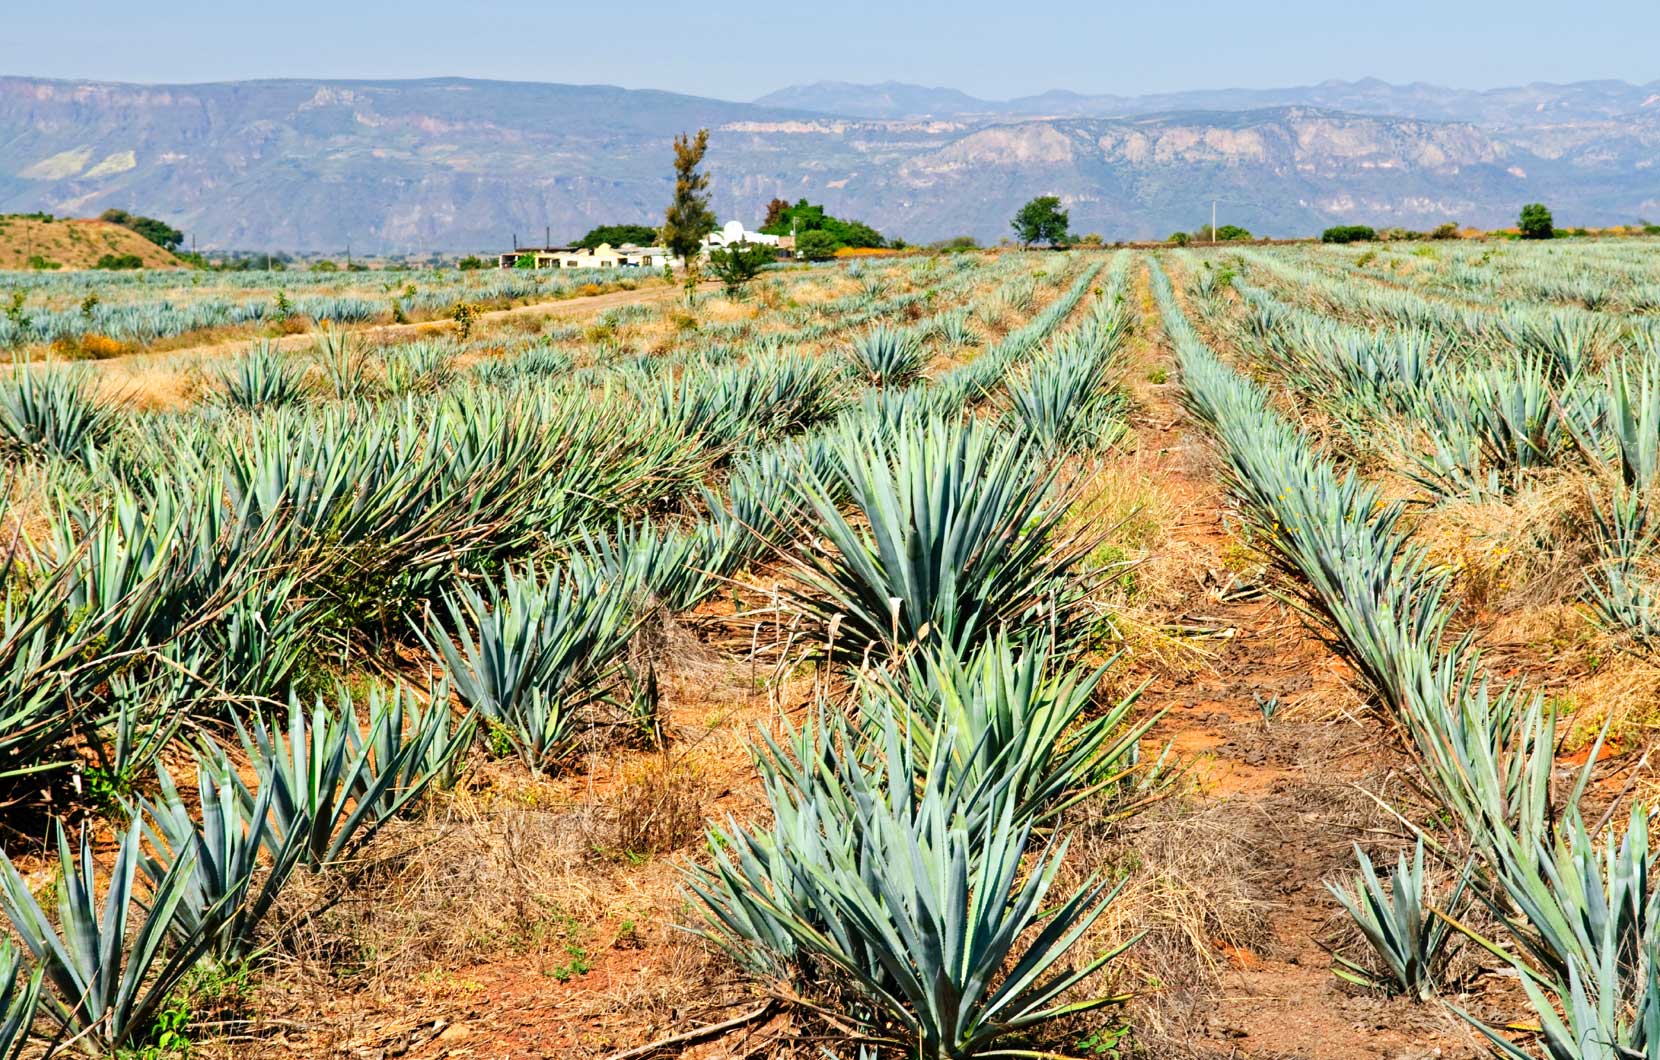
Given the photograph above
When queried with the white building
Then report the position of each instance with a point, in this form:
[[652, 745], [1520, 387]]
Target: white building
[[733, 232]]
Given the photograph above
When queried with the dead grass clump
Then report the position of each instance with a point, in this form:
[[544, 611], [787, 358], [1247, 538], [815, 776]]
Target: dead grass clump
[[655, 809], [1190, 890], [90, 347], [726, 311], [1523, 551]]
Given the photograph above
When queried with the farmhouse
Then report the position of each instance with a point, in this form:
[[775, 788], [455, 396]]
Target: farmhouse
[[604, 256], [630, 256]]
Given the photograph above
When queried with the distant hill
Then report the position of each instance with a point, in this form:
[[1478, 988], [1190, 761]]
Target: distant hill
[[1518, 106], [73, 243], [890, 99], [451, 164]]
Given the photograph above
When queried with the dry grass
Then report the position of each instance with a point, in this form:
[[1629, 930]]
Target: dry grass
[[1190, 892], [1524, 551]]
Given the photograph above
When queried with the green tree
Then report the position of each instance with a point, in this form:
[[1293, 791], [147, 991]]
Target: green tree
[[1536, 222], [1181, 239], [158, 232], [1041, 221], [617, 235], [1348, 234], [688, 218], [736, 265], [525, 261], [470, 262], [816, 245], [784, 219]]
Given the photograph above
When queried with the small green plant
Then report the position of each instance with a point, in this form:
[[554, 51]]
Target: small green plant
[[1269, 706], [284, 306], [15, 312], [578, 964], [465, 315], [1158, 375], [88, 304]]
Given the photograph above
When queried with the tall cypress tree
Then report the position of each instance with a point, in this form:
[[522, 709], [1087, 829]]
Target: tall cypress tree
[[688, 218]]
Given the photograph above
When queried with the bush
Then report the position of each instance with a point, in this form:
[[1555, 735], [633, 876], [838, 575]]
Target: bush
[[120, 261], [1536, 222], [1348, 234], [470, 262], [736, 265], [1445, 230], [1181, 239], [816, 246], [41, 261]]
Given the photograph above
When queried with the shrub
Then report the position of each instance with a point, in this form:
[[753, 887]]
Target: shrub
[[465, 315], [119, 262], [470, 262], [1445, 230], [1181, 239], [816, 246], [1348, 234]]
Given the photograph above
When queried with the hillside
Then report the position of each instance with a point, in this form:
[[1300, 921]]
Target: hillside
[[455, 164], [74, 243]]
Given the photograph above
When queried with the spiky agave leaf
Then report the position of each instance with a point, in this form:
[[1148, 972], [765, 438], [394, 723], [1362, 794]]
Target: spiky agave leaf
[[52, 411], [923, 898], [261, 378], [330, 782], [533, 650], [19, 998], [954, 536], [107, 987], [1023, 713], [221, 900], [888, 357], [1400, 923]]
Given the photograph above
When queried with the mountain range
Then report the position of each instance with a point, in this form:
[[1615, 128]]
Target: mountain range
[[453, 164]]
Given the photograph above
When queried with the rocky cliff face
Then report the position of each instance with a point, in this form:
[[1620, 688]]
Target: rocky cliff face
[[449, 164]]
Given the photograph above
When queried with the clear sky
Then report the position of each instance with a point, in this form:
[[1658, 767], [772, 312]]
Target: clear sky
[[739, 50]]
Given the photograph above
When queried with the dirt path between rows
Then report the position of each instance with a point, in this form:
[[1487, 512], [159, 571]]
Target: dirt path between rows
[[1289, 787]]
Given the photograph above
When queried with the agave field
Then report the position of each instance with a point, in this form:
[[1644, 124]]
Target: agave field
[[812, 672], [96, 314]]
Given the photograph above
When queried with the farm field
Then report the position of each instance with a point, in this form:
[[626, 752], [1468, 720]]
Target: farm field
[[94, 315], [1245, 652]]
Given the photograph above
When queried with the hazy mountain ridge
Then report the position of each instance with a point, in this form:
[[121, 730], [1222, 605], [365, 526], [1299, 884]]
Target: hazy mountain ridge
[[457, 164], [1520, 105]]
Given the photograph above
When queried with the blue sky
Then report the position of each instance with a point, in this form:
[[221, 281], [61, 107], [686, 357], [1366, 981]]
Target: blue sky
[[739, 50]]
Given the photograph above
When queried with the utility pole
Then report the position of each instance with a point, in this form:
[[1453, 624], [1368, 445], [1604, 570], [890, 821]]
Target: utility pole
[[547, 236], [1213, 222], [348, 255]]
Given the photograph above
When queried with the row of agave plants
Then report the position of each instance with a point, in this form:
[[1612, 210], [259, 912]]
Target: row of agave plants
[[907, 878], [1606, 276], [1480, 422], [524, 523], [1575, 905]]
